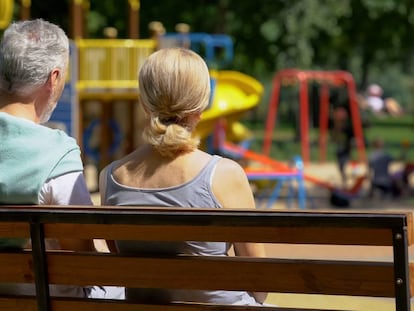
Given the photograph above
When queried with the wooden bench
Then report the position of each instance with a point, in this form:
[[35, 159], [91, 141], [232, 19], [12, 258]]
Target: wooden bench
[[287, 275]]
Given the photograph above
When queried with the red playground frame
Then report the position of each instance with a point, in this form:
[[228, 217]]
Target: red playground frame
[[325, 79]]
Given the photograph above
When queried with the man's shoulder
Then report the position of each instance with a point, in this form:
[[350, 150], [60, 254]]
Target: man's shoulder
[[58, 137]]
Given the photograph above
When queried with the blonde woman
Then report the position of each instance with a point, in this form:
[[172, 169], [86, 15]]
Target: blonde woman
[[170, 170]]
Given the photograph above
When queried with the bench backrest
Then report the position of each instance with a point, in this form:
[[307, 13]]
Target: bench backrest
[[283, 275]]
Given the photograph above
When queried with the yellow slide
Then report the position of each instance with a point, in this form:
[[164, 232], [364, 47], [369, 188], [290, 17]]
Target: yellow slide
[[6, 12], [234, 94]]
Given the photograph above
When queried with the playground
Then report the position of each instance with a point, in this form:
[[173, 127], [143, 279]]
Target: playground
[[101, 102], [99, 109]]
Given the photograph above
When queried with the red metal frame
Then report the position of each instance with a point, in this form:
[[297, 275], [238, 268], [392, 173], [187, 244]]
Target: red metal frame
[[325, 78]]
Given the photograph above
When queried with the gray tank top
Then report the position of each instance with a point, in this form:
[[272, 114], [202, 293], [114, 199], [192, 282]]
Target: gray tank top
[[194, 193]]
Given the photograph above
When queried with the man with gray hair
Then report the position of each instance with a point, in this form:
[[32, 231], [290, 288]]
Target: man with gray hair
[[38, 165]]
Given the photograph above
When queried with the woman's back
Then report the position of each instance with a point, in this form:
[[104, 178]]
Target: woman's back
[[196, 192], [170, 170]]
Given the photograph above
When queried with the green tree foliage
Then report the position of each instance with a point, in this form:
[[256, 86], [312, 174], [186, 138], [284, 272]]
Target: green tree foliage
[[378, 33], [361, 36], [269, 35], [107, 13]]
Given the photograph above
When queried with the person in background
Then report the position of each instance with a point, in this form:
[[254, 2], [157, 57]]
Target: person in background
[[379, 162], [342, 135], [183, 35], [381, 106], [38, 164], [156, 32], [110, 32], [170, 170], [374, 99]]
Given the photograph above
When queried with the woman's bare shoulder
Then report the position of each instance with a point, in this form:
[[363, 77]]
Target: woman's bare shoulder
[[231, 186], [229, 168]]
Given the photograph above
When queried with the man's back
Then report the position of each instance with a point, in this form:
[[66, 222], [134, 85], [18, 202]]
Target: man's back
[[38, 165], [379, 162], [32, 154]]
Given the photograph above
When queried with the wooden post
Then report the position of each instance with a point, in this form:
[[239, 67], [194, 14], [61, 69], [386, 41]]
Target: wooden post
[[25, 6], [106, 137], [133, 19], [77, 19], [85, 10]]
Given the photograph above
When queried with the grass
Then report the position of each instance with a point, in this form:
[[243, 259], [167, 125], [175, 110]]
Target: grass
[[396, 132]]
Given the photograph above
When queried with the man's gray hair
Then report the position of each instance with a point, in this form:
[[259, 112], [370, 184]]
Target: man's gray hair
[[29, 51]]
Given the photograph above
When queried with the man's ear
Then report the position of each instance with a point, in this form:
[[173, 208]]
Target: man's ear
[[54, 77]]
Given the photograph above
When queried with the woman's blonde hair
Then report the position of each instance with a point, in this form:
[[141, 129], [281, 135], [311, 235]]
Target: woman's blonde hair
[[174, 88]]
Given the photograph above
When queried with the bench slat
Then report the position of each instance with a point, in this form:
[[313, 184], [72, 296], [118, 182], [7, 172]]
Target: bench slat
[[18, 303], [27, 303], [198, 216], [17, 267], [94, 305], [14, 230], [312, 235], [259, 274]]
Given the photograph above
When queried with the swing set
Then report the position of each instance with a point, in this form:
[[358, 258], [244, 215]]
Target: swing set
[[325, 80]]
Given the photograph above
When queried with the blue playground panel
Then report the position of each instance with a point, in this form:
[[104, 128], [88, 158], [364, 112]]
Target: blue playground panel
[[65, 111], [217, 49]]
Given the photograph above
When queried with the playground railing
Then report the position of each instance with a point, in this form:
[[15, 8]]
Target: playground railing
[[111, 63]]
